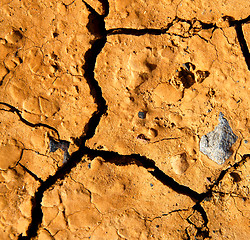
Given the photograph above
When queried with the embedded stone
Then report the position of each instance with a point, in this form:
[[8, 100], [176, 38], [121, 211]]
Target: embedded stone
[[216, 144]]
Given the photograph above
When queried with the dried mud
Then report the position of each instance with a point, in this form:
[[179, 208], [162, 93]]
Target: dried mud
[[132, 86]]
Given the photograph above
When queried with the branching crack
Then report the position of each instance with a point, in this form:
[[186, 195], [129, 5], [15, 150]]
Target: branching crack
[[31, 173], [237, 24], [155, 31], [202, 231], [96, 26], [224, 172], [121, 160], [169, 213], [90, 60], [26, 122]]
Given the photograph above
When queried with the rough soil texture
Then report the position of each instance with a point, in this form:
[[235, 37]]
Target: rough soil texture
[[132, 86]]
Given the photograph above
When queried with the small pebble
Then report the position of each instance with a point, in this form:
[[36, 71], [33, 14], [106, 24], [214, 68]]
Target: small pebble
[[245, 141], [151, 184], [142, 115]]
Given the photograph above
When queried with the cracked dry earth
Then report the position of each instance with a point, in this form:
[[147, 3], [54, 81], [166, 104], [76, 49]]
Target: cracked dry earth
[[132, 86]]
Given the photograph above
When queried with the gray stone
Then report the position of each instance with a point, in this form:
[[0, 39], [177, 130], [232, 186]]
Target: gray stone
[[62, 144], [216, 144], [142, 115]]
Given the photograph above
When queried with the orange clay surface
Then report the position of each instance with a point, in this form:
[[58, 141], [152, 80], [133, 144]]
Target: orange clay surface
[[132, 86]]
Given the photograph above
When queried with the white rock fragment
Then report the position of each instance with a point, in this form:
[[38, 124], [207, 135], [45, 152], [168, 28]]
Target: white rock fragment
[[216, 144]]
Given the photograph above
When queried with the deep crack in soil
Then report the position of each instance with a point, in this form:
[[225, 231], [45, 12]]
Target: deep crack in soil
[[33, 125], [240, 35], [155, 31], [96, 26]]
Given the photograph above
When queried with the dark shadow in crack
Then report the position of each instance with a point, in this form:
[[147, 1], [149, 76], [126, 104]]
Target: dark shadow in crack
[[36, 212], [34, 125], [243, 44], [137, 32], [159, 31], [105, 5], [95, 90], [223, 172], [204, 230], [237, 24], [31, 173], [121, 160], [112, 157], [96, 26]]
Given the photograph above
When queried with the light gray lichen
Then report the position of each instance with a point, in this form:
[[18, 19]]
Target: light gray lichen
[[216, 144]]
